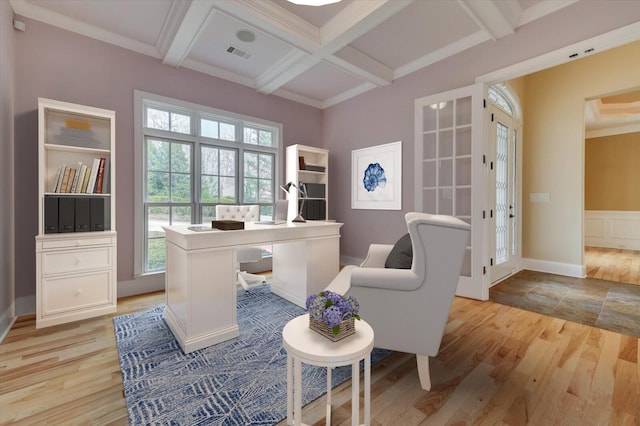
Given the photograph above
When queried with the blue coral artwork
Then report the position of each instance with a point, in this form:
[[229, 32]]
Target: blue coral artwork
[[377, 177], [374, 177]]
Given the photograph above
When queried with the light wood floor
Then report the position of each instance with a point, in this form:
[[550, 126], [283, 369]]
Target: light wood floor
[[497, 365], [613, 264]]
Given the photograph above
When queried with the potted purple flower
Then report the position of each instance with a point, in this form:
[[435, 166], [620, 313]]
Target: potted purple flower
[[332, 314]]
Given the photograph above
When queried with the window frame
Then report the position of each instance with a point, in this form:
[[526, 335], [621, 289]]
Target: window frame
[[143, 101]]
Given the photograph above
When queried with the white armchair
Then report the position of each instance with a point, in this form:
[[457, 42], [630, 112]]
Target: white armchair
[[246, 213], [408, 308]]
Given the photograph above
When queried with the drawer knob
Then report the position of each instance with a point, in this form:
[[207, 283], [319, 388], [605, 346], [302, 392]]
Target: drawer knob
[[78, 292], [78, 260]]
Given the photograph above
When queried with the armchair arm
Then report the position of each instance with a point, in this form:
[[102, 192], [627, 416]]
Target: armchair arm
[[385, 278], [377, 256]]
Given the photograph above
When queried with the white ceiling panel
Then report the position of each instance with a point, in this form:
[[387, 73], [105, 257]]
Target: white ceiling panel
[[140, 20], [413, 32], [315, 55], [221, 32], [322, 82]]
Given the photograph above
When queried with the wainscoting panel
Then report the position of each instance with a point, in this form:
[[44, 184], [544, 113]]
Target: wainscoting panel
[[612, 229]]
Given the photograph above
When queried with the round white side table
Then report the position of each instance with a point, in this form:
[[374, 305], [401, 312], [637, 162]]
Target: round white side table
[[305, 345]]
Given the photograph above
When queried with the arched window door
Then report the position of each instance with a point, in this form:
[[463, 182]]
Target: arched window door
[[504, 153]]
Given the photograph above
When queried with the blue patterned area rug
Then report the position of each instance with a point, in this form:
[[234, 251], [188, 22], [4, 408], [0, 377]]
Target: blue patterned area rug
[[242, 381]]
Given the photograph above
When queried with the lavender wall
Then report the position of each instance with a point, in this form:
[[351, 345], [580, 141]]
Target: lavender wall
[[7, 225], [386, 114], [61, 65]]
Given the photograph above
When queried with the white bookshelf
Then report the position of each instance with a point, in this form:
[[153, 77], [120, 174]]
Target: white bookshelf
[[315, 173], [76, 244]]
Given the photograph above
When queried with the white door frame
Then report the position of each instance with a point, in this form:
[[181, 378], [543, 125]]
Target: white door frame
[[476, 285]]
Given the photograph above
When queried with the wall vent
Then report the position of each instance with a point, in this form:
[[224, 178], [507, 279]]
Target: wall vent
[[239, 52]]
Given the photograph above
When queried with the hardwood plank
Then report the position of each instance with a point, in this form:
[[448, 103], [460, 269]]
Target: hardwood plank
[[497, 365]]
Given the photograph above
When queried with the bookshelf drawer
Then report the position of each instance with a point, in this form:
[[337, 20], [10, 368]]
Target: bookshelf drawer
[[57, 262], [72, 243], [77, 292]]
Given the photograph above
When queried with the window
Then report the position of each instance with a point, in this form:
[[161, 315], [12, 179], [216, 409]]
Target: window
[[192, 158]]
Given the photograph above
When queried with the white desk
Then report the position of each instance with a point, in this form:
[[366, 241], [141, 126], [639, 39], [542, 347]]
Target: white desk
[[200, 277], [305, 345]]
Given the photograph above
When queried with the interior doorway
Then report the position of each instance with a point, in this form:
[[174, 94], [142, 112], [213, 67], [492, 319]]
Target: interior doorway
[[611, 196]]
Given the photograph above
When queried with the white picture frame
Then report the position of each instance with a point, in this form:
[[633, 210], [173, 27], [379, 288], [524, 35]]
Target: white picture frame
[[382, 167]]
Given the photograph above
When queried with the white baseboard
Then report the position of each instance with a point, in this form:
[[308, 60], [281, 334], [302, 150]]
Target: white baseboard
[[141, 284], [7, 319], [567, 269]]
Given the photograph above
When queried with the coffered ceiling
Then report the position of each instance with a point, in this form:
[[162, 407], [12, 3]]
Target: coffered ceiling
[[318, 56]]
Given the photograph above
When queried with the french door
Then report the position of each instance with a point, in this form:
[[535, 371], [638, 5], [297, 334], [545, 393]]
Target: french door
[[450, 172], [502, 193]]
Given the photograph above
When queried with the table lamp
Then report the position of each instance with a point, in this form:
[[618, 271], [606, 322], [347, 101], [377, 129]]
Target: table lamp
[[303, 193]]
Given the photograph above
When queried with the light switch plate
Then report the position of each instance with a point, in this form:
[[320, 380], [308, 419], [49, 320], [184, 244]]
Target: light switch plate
[[539, 197]]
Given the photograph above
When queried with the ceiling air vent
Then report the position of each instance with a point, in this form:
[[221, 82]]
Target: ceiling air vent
[[239, 52]]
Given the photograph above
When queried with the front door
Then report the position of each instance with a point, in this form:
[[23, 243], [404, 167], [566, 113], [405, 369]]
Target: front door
[[503, 212]]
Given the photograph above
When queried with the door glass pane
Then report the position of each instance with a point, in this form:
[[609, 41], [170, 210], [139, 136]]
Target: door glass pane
[[463, 111], [429, 118], [445, 201], [445, 143], [429, 146], [429, 173], [445, 115], [429, 201], [502, 195], [445, 173], [463, 141]]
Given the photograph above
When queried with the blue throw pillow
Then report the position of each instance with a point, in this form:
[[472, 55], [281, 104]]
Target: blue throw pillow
[[401, 254]]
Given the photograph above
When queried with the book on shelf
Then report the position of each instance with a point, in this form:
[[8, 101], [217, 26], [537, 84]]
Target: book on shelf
[[65, 179], [72, 175], [74, 185], [85, 182], [60, 177], [83, 171], [55, 181], [94, 174], [100, 176]]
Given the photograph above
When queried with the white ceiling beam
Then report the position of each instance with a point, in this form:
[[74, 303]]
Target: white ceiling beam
[[190, 28], [355, 20], [499, 19], [361, 65], [349, 24], [171, 24], [283, 71]]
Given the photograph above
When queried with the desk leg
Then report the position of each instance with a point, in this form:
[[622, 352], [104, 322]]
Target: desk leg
[[289, 390], [355, 393], [297, 393], [367, 390], [328, 417]]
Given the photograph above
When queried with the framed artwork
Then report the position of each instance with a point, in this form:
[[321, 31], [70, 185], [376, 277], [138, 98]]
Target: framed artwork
[[376, 177]]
